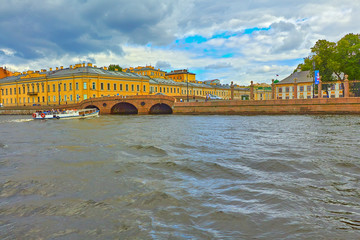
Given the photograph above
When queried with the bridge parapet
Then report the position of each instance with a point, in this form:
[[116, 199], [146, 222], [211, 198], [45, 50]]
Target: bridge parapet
[[142, 103]]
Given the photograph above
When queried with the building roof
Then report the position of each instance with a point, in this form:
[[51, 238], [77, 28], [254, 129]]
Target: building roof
[[71, 71], [182, 71], [302, 77], [191, 84]]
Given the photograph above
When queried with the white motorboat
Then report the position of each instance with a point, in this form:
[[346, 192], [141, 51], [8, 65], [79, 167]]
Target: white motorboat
[[66, 114]]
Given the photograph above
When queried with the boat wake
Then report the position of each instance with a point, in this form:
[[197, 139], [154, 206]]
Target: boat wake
[[19, 120]]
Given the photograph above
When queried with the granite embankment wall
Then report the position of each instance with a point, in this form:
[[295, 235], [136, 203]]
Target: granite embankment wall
[[289, 106], [238, 107]]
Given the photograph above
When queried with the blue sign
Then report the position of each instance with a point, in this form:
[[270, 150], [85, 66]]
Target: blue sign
[[317, 76]]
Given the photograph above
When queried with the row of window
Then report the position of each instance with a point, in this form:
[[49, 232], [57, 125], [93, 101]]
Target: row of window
[[308, 88], [108, 87], [301, 89], [152, 74], [65, 87], [10, 91], [42, 99], [177, 90]]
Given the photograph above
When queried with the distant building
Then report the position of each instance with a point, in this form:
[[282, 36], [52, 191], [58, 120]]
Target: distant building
[[149, 71], [181, 76], [5, 73], [304, 83]]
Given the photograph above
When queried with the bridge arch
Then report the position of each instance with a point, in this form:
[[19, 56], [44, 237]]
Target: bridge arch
[[92, 106], [160, 108], [124, 108]]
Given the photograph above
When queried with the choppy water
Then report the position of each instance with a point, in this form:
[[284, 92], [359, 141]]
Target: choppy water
[[180, 177]]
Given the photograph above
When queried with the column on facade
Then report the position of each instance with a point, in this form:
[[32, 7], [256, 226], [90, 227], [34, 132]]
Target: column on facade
[[320, 88], [295, 88], [272, 89], [346, 87], [232, 90]]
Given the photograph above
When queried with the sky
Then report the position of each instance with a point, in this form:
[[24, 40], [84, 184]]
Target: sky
[[230, 40]]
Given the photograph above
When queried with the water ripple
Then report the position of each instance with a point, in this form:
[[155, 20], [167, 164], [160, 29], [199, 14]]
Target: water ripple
[[180, 177]]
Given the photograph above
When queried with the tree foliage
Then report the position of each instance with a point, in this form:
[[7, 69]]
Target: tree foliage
[[112, 67], [334, 60]]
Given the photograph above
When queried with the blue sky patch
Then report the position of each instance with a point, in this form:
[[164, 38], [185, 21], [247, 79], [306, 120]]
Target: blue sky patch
[[255, 29], [195, 39], [287, 62], [228, 55]]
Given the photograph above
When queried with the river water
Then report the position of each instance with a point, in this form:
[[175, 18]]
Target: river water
[[180, 177]]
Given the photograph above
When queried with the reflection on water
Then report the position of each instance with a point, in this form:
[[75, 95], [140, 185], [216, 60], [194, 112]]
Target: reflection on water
[[180, 177]]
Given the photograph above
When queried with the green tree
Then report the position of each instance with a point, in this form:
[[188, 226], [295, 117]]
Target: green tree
[[348, 55], [112, 67], [336, 59], [307, 65], [324, 58]]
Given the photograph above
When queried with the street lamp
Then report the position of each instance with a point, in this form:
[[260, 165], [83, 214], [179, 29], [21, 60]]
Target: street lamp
[[313, 63]]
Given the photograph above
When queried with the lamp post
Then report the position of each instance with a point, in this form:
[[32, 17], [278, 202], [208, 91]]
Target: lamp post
[[313, 63]]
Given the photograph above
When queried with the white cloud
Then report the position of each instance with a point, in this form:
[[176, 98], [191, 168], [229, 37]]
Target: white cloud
[[39, 35], [8, 51]]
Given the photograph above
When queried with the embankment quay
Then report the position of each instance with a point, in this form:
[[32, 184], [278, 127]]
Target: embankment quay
[[160, 104]]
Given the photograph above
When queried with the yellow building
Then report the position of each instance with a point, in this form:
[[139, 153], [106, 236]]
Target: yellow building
[[69, 85], [149, 71], [181, 76], [194, 90], [303, 84], [262, 93], [285, 88], [5, 73], [80, 82]]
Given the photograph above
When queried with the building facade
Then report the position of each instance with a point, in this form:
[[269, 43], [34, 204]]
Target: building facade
[[83, 81], [181, 76], [300, 85]]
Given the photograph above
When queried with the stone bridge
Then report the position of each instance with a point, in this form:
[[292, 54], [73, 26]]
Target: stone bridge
[[144, 104]]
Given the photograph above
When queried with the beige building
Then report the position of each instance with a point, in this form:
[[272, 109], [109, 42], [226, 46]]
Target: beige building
[[300, 85]]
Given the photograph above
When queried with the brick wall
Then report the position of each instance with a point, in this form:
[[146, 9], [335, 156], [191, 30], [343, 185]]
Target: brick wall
[[290, 106]]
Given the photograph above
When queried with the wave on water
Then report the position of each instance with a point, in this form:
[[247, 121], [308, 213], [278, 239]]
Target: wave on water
[[140, 150], [2, 145], [17, 120]]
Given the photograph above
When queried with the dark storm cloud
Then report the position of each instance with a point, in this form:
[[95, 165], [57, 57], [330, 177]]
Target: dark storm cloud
[[36, 29]]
